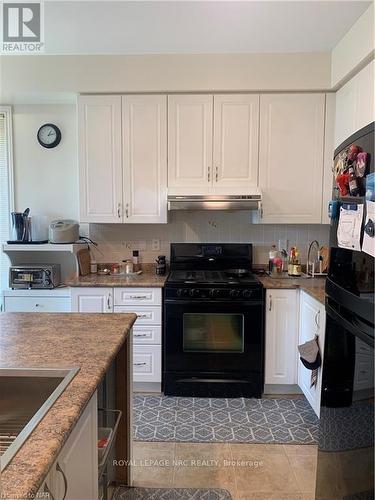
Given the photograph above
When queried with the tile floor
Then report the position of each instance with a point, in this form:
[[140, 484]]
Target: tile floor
[[248, 471]]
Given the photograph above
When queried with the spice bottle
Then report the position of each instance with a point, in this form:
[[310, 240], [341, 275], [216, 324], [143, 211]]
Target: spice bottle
[[136, 265]]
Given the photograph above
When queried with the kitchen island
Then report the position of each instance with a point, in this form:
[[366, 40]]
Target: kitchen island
[[89, 342]]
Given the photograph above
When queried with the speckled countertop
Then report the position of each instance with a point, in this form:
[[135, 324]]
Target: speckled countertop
[[146, 279], [56, 340], [313, 286]]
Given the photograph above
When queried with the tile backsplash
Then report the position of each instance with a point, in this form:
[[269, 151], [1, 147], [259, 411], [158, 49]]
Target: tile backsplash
[[116, 241]]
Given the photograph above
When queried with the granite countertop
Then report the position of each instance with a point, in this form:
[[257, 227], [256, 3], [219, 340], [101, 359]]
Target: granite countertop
[[51, 340], [146, 279], [313, 286]]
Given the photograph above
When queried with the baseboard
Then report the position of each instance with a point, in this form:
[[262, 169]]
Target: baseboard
[[282, 389], [147, 387]]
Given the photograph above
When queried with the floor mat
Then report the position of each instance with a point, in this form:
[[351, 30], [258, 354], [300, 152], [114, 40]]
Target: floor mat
[[125, 493], [240, 420]]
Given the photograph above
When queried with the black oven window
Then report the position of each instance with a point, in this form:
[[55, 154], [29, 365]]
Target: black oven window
[[213, 332]]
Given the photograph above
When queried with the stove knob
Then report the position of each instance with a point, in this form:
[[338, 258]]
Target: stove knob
[[182, 292], [234, 293], [194, 292], [247, 294], [215, 292]]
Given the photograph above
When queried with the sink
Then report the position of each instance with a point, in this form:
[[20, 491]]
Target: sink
[[26, 395]]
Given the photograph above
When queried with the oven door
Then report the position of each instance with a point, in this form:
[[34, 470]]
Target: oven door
[[213, 337]]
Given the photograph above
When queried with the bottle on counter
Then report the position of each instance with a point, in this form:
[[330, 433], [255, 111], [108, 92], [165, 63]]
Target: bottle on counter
[[136, 264], [294, 264], [93, 267], [161, 265], [272, 254]]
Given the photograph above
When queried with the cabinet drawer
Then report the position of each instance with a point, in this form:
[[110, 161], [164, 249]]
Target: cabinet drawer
[[147, 335], [37, 304], [144, 296], [146, 315], [147, 363]]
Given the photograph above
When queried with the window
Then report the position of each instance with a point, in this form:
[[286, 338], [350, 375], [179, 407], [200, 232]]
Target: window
[[6, 187]]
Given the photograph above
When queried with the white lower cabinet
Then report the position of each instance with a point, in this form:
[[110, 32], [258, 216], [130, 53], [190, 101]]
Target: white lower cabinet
[[74, 475], [146, 303], [312, 322], [57, 300], [281, 336], [92, 300]]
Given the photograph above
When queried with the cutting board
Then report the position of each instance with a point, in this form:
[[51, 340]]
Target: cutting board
[[83, 257], [324, 252]]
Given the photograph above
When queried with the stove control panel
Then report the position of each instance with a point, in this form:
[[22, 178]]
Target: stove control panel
[[230, 294]]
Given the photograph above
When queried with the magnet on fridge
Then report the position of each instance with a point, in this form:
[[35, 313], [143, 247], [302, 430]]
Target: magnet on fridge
[[333, 210]]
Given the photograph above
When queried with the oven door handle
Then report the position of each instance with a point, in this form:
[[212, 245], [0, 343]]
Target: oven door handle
[[352, 326], [216, 302]]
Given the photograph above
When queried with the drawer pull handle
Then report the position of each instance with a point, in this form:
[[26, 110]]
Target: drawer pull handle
[[48, 491], [139, 364], [143, 315], [138, 297], [59, 469], [140, 335]]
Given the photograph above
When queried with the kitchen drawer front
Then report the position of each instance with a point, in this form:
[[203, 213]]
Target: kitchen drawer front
[[147, 363], [135, 296], [146, 315], [147, 335], [37, 304]]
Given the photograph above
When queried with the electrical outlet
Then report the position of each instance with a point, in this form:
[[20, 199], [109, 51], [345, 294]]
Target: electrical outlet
[[142, 245], [283, 245], [155, 244]]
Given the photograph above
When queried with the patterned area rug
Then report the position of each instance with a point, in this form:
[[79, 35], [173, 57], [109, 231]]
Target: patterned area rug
[[240, 420], [124, 493]]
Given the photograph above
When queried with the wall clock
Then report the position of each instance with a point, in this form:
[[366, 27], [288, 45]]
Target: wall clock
[[49, 135]]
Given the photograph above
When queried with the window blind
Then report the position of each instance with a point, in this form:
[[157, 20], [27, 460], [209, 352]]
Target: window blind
[[4, 201]]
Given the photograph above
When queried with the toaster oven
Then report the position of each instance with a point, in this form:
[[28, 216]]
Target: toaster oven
[[34, 276]]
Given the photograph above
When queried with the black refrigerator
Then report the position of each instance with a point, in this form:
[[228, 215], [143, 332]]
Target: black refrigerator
[[345, 468]]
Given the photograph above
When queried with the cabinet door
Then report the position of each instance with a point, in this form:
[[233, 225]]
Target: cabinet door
[[291, 157], [355, 104], [144, 122], [312, 322], [100, 164], [189, 143], [236, 129], [281, 336], [76, 469], [92, 300]]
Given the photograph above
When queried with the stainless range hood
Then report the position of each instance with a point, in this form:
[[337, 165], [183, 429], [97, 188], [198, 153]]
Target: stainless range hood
[[215, 202]]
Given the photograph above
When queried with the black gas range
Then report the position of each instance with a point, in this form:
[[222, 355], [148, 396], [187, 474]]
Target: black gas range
[[213, 322]]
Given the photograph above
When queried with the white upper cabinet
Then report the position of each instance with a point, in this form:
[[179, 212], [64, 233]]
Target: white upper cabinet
[[190, 124], [144, 125], [291, 157], [355, 104], [100, 168], [236, 134]]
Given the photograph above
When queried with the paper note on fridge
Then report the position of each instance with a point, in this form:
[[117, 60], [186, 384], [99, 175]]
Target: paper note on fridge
[[368, 244], [349, 228]]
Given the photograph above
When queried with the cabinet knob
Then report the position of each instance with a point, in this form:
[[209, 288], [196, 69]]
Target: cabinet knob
[[270, 304]]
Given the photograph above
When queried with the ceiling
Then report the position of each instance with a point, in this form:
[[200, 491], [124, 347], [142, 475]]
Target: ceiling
[[195, 27]]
